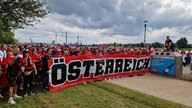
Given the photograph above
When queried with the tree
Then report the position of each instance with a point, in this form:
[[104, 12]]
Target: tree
[[157, 45], [15, 14], [19, 13], [6, 36], [142, 44], [182, 42]]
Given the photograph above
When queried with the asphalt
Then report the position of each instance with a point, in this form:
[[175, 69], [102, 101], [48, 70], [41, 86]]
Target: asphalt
[[164, 87]]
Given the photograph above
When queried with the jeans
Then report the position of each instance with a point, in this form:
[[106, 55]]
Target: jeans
[[45, 80]]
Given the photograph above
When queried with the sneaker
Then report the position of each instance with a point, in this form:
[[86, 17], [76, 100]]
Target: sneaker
[[32, 93], [15, 96], [44, 90], [25, 95], [11, 101], [1, 96]]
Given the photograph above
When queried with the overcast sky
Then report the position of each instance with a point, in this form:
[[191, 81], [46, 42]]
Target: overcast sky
[[109, 21]]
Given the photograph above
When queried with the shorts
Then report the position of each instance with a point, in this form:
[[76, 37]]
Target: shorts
[[13, 80]]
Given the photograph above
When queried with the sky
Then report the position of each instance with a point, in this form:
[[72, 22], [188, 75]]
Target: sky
[[109, 21]]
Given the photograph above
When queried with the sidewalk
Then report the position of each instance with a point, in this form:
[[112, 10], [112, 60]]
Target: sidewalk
[[168, 88]]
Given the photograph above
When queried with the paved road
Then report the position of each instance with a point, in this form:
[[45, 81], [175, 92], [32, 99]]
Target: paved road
[[168, 88]]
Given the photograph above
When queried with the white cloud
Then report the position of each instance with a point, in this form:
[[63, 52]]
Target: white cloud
[[111, 21], [160, 34]]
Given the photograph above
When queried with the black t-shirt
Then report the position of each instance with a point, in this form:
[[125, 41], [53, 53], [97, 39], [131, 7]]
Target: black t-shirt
[[14, 69], [167, 42], [45, 63]]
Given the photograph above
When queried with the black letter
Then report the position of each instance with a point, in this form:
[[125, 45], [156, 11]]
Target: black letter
[[119, 65], [87, 65], [109, 66], [74, 73], [55, 69], [138, 64], [146, 63], [127, 67], [134, 64], [99, 70]]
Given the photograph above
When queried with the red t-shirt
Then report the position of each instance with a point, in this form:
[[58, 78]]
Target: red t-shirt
[[7, 60], [188, 54], [27, 64], [143, 51], [87, 53], [4, 64], [37, 58]]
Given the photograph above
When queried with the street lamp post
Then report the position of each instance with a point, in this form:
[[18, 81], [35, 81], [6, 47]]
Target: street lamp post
[[77, 40], [145, 26], [66, 38]]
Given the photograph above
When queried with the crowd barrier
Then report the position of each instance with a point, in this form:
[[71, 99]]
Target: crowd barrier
[[73, 70]]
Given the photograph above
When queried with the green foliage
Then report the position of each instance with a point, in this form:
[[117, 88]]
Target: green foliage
[[182, 43], [6, 36], [157, 45], [18, 13], [142, 44], [137, 97], [189, 45], [92, 95]]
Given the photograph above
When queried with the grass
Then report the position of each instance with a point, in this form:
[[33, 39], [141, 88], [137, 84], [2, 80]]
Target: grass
[[92, 95]]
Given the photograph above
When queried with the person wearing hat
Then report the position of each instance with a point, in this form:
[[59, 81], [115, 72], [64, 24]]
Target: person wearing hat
[[28, 67]]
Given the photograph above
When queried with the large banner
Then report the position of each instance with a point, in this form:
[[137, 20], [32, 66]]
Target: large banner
[[73, 70]]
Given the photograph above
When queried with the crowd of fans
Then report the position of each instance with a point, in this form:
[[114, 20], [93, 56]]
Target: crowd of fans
[[187, 57], [22, 66]]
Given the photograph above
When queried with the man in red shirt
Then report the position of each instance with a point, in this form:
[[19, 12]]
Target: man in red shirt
[[3, 69]]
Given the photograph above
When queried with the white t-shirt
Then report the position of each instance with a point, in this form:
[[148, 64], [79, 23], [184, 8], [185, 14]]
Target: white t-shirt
[[3, 54]]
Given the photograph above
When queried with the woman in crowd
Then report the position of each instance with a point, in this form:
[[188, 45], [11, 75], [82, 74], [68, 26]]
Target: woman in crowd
[[37, 58], [28, 67]]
